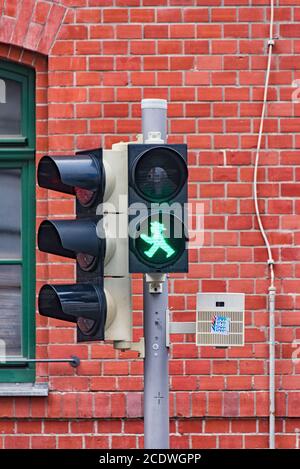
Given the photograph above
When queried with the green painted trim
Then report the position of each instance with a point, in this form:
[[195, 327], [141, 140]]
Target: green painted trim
[[11, 261], [19, 152], [15, 141], [26, 77], [14, 153]]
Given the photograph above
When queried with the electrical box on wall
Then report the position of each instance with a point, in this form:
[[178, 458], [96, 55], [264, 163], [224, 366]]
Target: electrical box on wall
[[220, 319]]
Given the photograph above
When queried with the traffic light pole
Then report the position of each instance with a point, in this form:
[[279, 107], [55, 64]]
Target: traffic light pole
[[156, 372]]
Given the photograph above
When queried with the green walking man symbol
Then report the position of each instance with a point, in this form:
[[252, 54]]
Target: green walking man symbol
[[157, 240]]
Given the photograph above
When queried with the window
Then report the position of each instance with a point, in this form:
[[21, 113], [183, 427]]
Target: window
[[17, 222]]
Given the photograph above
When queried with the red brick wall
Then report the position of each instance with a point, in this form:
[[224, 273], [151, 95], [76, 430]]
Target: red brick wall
[[95, 60]]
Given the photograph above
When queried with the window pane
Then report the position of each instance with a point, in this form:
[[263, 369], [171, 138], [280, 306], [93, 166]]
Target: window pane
[[10, 213], [10, 107], [10, 310]]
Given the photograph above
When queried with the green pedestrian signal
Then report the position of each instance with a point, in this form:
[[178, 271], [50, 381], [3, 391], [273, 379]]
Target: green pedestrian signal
[[160, 240], [157, 240], [157, 210]]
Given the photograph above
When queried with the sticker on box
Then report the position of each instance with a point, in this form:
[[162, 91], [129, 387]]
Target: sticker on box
[[220, 325]]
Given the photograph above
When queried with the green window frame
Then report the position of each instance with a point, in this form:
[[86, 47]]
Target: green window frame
[[18, 152]]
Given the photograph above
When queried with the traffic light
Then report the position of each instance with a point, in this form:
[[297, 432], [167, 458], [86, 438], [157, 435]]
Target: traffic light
[[157, 175], [100, 300]]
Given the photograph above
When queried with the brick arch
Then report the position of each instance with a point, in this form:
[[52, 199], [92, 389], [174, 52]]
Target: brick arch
[[31, 24]]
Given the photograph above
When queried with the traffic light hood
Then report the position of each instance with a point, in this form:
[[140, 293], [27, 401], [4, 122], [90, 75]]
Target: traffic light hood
[[69, 237], [76, 303], [66, 173]]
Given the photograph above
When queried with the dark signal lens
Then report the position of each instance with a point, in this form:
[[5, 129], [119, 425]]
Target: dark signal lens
[[85, 325], [84, 196], [86, 261], [160, 174]]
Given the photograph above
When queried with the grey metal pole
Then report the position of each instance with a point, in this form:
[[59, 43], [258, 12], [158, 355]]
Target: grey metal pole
[[156, 372]]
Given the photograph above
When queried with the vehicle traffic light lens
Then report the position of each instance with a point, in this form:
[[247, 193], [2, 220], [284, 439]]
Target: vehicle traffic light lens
[[161, 239], [84, 196], [86, 262], [159, 174], [85, 325]]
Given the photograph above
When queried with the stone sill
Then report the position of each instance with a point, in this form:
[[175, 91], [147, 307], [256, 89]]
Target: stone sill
[[24, 389]]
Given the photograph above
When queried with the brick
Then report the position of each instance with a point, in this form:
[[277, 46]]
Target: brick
[[43, 442], [201, 110], [129, 32], [181, 63], [169, 15], [224, 46], [91, 15], [198, 404], [156, 63], [20, 27], [96, 442], [215, 401], [101, 32], [236, 30], [112, 426], [256, 441], [6, 409], [16, 442], [223, 15], [182, 31], [211, 383], [115, 47], [209, 31], [141, 15], [231, 404], [101, 63], [204, 441], [231, 441], [289, 30], [73, 32], [212, 62], [134, 405], [7, 426], [169, 47], [69, 442], [115, 15], [190, 426], [134, 426], [247, 404], [178, 442], [155, 31], [143, 47]]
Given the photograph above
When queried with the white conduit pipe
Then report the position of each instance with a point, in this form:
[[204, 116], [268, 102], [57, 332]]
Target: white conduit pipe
[[272, 289]]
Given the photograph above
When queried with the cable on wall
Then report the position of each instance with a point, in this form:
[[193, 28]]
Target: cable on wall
[[272, 289]]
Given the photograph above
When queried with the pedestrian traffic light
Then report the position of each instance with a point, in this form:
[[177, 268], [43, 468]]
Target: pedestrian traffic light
[[100, 300], [157, 175]]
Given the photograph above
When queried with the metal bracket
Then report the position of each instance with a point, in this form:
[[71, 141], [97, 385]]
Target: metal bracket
[[155, 281], [182, 327], [139, 347], [178, 328], [135, 346], [73, 361]]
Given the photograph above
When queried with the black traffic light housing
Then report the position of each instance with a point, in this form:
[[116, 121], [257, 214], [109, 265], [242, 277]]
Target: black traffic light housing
[[78, 304], [81, 176], [84, 302], [157, 175]]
